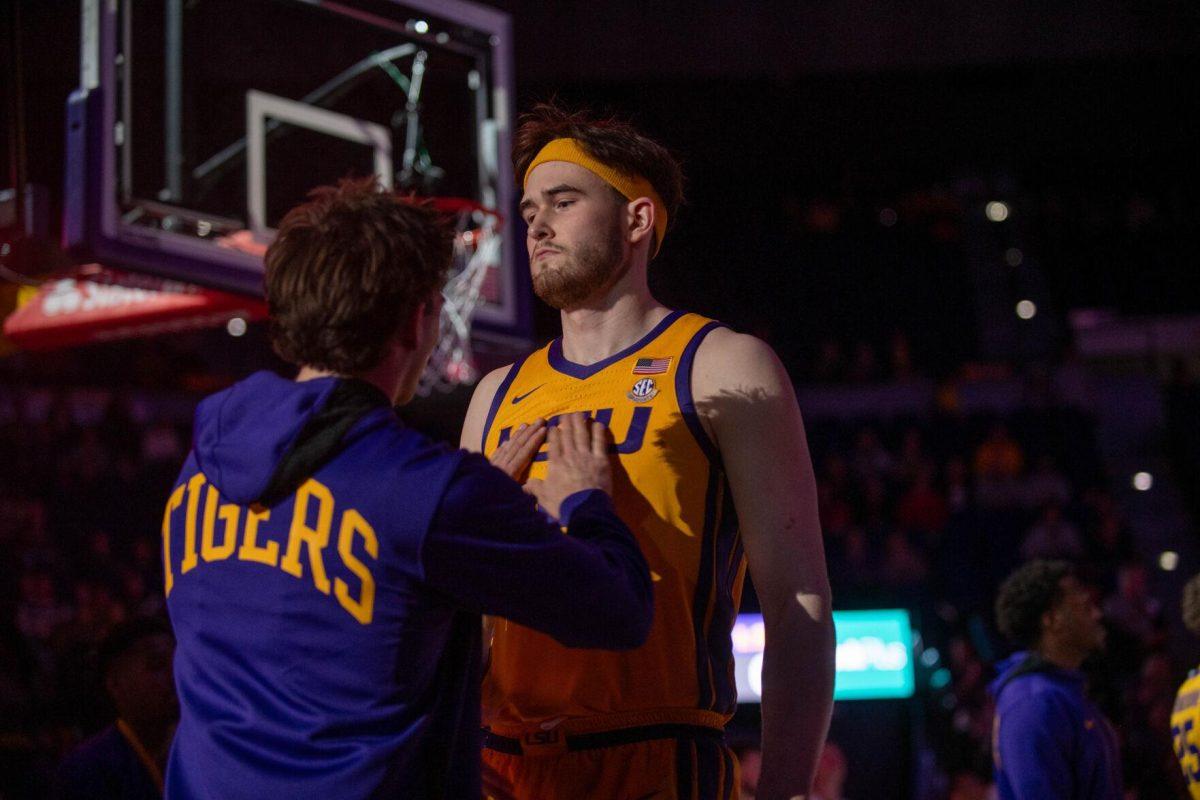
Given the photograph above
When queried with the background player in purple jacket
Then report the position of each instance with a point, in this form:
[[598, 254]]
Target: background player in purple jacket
[[1048, 740], [326, 567], [126, 759]]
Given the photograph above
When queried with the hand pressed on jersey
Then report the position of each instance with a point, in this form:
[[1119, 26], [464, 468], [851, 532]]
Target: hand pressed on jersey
[[516, 454], [578, 460]]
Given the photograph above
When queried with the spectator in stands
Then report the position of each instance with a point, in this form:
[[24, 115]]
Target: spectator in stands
[[1108, 545], [1132, 612], [38, 610], [91, 459], [875, 512], [871, 458], [100, 563], [1154, 681], [117, 423], [967, 785], [922, 508], [97, 611], [136, 595], [830, 782], [833, 496], [853, 567], [999, 456], [161, 444], [127, 759], [38, 547], [998, 463], [750, 760], [900, 357], [19, 697], [968, 673], [23, 531], [830, 366], [912, 459], [1046, 484], [963, 715], [1149, 749], [865, 366], [903, 565], [1052, 536], [958, 489], [1183, 435], [147, 560]]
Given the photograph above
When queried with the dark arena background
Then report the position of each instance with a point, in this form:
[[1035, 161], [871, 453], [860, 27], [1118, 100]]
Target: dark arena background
[[968, 229]]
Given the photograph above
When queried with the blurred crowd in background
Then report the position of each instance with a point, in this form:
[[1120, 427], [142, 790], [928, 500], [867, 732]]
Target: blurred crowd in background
[[925, 512]]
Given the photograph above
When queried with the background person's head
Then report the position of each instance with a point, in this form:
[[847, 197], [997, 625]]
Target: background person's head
[[1132, 581], [135, 660], [1043, 607], [354, 277], [582, 241], [750, 767], [832, 768], [1191, 605]]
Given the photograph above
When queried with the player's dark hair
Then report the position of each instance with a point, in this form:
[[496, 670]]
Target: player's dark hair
[[608, 139], [1027, 594], [346, 269], [1191, 605]]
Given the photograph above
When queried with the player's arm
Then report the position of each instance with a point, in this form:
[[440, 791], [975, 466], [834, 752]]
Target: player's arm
[[514, 456], [747, 404], [481, 402]]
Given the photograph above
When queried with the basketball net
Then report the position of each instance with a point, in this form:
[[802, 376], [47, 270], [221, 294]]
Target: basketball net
[[477, 241]]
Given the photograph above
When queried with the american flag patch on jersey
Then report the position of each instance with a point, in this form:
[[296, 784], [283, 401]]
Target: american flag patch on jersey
[[651, 366]]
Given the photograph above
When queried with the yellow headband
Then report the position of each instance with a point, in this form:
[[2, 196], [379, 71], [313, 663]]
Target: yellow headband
[[630, 186]]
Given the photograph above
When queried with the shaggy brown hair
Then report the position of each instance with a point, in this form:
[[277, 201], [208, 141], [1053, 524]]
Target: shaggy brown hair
[[607, 139], [1027, 594], [346, 269]]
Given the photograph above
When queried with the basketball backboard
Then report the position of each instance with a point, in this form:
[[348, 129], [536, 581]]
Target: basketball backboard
[[198, 123]]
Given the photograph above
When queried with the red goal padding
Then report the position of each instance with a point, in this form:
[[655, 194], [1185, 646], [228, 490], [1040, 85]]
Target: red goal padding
[[93, 303]]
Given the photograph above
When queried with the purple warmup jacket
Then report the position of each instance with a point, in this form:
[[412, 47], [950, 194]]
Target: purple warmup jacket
[[1051, 742], [326, 569]]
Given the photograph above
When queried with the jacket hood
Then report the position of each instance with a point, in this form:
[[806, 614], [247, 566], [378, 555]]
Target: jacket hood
[[1023, 662], [243, 433]]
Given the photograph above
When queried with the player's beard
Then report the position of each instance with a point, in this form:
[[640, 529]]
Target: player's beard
[[582, 272]]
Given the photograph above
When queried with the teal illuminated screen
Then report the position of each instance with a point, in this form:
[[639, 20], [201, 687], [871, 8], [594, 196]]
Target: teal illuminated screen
[[874, 655]]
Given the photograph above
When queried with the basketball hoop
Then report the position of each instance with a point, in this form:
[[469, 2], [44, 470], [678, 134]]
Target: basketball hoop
[[477, 240]]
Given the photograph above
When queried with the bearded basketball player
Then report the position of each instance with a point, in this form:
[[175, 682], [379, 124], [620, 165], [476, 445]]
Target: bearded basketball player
[[711, 471]]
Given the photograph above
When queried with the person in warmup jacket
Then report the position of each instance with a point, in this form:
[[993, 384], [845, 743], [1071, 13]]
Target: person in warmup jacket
[[1048, 740], [126, 759], [326, 567]]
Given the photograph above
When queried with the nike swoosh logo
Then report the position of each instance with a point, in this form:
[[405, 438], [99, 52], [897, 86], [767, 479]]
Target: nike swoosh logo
[[552, 724], [518, 398]]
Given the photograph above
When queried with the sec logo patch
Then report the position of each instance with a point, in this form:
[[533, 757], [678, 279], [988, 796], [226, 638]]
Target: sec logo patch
[[643, 390]]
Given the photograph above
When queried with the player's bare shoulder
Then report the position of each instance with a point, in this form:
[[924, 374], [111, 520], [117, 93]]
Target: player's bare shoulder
[[727, 361], [481, 402], [733, 375]]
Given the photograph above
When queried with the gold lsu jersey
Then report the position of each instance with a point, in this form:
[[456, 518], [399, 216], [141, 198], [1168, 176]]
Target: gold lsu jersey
[[1185, 731], [670, 489]]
